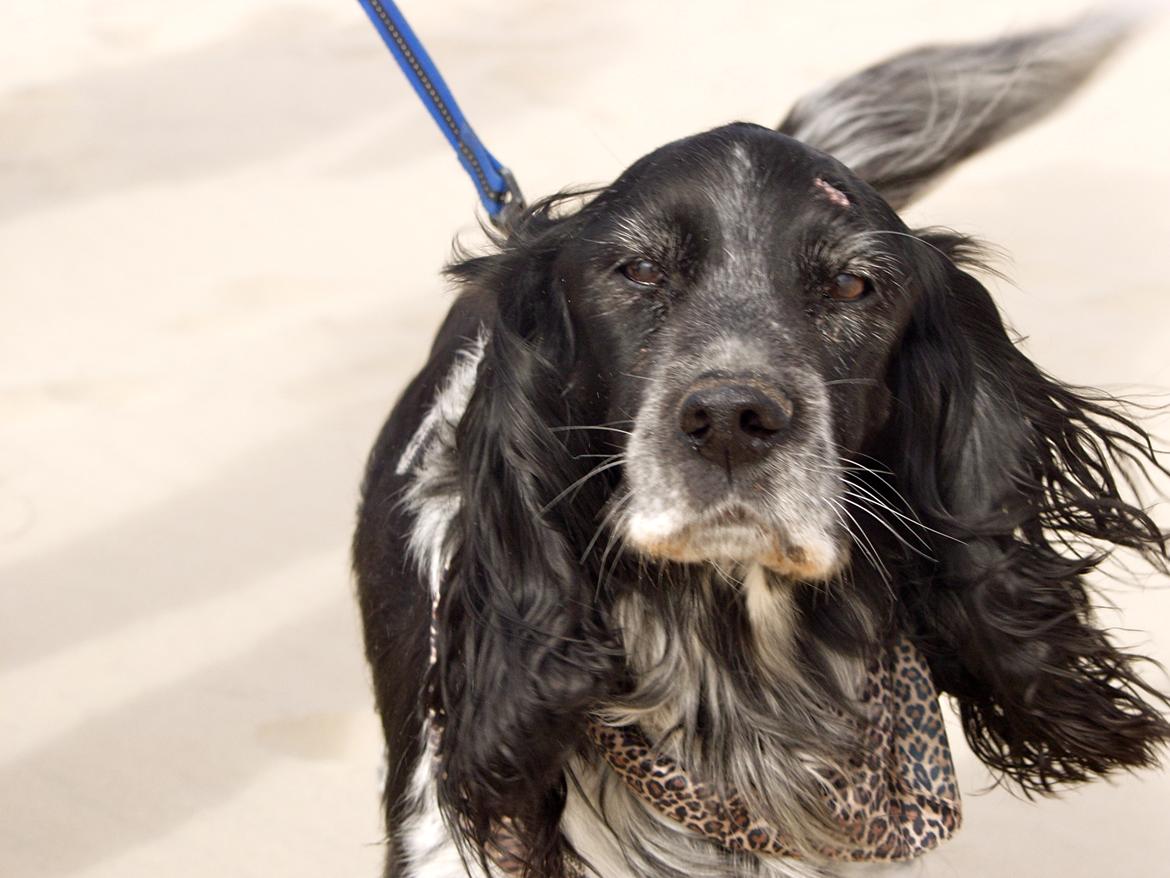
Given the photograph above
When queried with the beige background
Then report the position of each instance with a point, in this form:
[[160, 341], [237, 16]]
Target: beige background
[[220, 230]]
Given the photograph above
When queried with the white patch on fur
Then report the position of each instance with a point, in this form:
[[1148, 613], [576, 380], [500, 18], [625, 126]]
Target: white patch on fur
[[597, 844], [431, 454], [428, 845], [645, 527], [430, 849], [772, 612], [741, 168], [420, 439], [449, 403], [432, 500]]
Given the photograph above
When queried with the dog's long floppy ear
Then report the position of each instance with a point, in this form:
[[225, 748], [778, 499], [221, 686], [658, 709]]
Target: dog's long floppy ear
[[522, 646], [1026, 484], [901, 124]]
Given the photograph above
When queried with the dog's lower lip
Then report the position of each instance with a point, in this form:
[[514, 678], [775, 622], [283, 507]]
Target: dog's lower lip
[[733, 515]]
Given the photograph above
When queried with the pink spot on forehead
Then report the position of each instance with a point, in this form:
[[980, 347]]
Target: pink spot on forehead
[[834, 194]]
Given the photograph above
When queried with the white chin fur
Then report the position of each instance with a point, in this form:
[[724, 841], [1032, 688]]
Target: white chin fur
[[806, 554]]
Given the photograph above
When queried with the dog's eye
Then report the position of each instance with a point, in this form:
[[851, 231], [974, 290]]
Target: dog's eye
[[848, 288], [644, 272]]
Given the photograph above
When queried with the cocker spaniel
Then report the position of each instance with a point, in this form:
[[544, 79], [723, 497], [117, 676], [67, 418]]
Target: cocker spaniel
[[715, 478]]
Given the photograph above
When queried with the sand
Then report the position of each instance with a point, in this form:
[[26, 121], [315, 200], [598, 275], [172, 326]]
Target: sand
[[220, 231]]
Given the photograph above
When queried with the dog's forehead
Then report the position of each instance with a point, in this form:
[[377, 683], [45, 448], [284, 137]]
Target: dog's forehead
[[740, 153], [738, 169]]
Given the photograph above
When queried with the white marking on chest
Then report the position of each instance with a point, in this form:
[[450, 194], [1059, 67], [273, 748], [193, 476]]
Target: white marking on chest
[[772, 612]]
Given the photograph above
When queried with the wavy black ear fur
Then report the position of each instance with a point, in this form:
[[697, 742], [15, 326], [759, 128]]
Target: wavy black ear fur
[[523, 649], [1028, 480]]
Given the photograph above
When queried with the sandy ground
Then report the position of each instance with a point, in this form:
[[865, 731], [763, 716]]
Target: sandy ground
[[220, 230]]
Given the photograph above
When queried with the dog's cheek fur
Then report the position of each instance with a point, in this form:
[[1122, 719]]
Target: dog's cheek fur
[[1014, 471]]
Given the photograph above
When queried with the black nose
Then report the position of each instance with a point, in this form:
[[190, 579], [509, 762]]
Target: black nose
[[730, 424]]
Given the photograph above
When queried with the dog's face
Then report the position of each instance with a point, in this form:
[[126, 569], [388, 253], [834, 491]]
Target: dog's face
[[742, 294]]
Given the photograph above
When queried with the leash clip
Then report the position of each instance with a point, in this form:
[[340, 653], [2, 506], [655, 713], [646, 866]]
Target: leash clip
[[511, 202]]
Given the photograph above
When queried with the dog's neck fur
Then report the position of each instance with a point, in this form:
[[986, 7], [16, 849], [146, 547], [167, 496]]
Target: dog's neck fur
[[675, 670], [723, 682]]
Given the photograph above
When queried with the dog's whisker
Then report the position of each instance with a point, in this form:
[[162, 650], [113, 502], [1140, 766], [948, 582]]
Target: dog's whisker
[[618, 539], [884, 476], [864, 491], [614, 512], [597, 470], [871, 382], [885, 524], [872, 507], [864, 544], [597, 427], [910, 517]]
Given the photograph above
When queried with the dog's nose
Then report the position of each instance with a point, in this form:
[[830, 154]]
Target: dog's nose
[[731, 424]]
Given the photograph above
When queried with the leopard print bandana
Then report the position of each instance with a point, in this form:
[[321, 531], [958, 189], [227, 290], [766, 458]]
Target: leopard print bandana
[[897, 799]]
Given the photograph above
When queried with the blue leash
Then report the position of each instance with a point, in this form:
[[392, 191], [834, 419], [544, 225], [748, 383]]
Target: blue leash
[[495, 184]]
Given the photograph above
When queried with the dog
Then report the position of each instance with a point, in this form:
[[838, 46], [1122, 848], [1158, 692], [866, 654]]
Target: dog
[[716, 477]]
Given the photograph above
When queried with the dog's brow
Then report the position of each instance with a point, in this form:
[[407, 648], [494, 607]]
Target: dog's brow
[[862, 250], [638, 230]]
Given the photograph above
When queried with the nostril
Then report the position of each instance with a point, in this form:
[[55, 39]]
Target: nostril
[[695, 421], [754, 425], [764, 417]]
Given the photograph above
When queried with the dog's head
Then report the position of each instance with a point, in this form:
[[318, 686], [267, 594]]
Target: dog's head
[[727, 357], [739, 295]]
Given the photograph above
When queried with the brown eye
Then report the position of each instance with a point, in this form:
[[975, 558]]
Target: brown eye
[[847, 288], [644, 272]]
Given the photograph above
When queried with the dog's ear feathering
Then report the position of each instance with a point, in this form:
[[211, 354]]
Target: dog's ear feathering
[[901, 124], [522, 648], [1027, 485]]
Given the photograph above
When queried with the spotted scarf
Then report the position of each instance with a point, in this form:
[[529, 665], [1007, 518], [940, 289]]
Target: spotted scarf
[[893, 801]]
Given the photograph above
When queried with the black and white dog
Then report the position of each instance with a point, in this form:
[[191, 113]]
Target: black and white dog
[[693, 454]]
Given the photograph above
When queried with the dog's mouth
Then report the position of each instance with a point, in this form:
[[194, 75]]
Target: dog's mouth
[[735, 533]]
